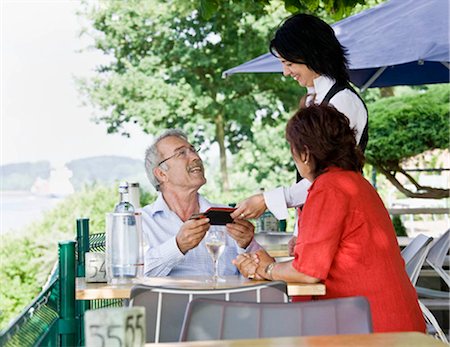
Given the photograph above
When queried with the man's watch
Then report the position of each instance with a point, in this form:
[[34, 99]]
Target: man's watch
[[269, 270]]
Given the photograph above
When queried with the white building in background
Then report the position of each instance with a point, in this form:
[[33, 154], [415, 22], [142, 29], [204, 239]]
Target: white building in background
[[57, 185]]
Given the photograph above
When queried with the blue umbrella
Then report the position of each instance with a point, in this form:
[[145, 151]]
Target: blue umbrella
[[400, 42]]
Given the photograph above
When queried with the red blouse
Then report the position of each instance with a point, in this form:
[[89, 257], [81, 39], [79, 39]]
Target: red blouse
[[346, 238]]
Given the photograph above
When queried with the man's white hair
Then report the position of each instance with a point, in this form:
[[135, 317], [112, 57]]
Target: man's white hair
[[153, 157]]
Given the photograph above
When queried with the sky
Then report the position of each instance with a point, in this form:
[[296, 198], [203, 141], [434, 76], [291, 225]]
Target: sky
[[42, 116]]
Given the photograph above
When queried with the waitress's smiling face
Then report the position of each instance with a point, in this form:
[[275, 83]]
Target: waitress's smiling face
[[299, 72]]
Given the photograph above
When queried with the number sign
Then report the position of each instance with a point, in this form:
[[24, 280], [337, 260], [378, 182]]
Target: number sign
[[115, 327], [95, 267]]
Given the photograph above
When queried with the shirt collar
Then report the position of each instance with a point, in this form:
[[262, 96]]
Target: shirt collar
[[204, 204], [322, 85], [160, 204]]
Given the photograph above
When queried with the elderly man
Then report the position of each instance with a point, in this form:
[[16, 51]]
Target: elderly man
[[175, 242]]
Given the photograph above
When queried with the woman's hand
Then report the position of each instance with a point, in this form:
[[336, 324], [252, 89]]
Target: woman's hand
[[247, 264], [253, 207], [264, 260], [291, 245]]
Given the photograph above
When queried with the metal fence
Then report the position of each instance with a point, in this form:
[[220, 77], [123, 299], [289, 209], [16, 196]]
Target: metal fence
[[54, 317]]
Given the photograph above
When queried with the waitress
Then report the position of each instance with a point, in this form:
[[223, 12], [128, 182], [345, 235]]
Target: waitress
[[311, 54]]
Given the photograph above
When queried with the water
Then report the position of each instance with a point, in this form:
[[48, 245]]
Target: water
[[123, 246], [19, 209]]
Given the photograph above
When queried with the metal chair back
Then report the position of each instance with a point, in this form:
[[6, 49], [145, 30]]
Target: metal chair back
[[220, 320], [414, 255], [165, 307], [436, 256]]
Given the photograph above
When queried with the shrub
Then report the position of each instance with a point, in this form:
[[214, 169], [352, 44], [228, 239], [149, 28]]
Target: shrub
[[400, 229]]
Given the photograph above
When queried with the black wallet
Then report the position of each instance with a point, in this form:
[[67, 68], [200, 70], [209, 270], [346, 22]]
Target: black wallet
[[216, 215]]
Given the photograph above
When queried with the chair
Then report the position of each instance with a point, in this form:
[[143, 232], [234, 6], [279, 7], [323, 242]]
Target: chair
[[165, 307], [414, 256], [435, 258], [433, 327], [431, 297], [208, 319]]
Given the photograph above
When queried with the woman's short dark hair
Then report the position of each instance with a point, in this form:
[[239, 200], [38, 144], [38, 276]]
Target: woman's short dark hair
[[303, 38], [327, 134]]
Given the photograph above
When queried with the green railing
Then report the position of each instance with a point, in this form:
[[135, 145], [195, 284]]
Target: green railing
[[36, 325], [48, 320], [96, 243], [54, 317]]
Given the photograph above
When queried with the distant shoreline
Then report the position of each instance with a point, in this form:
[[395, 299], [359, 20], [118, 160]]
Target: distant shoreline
[[21, 208], [16, 192]]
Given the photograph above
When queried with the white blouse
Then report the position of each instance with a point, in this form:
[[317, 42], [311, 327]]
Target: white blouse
[[345, 101]]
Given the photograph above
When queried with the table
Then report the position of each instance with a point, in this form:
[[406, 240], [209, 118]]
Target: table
[[94, 291], [409, 339], [277, 251], [281, 249]]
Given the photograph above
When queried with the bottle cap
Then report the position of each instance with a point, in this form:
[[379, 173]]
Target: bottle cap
[[123, 187]]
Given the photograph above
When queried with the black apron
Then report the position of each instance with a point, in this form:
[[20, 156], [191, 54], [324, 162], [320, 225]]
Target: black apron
[[336, 88]]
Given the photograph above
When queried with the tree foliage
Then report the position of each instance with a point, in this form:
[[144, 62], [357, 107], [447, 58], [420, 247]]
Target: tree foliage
[[336, 8], [266, 160], [401, 127], [166, 60], [166, 70]]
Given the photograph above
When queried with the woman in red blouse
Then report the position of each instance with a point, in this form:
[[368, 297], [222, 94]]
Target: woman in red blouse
[[346, 238]]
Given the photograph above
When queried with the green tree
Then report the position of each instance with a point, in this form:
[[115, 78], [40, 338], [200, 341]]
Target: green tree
[[336, 8], [265, 162], [166, 70], [401, 127]]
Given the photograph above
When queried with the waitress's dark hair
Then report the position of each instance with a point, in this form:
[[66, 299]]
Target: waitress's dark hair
[[303, 38], [326, 133]]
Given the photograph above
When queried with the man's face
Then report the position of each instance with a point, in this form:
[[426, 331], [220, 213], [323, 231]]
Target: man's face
[[182, 167]]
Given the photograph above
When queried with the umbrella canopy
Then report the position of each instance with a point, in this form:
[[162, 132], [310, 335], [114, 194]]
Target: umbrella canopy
[[400, 42]]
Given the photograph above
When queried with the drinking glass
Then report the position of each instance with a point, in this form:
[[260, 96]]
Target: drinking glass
[[215, 244]]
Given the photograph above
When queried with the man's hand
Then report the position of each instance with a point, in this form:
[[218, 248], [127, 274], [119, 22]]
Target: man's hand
[[192, 233], [253, 207], [242, 231], [291, 245]]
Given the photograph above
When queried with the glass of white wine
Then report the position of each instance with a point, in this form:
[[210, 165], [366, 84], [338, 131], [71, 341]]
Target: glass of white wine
[[215, 242]]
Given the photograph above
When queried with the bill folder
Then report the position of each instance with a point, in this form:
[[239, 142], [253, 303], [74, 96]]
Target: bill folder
[[216, 215]]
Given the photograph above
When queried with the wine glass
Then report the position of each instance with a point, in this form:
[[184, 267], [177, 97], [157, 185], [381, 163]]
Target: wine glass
[[215, 244]]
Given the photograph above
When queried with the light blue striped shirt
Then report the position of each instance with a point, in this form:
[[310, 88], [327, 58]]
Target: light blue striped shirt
[[164, 258]]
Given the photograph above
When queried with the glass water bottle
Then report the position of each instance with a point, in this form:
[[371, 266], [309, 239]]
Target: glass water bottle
[[123, 240]]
